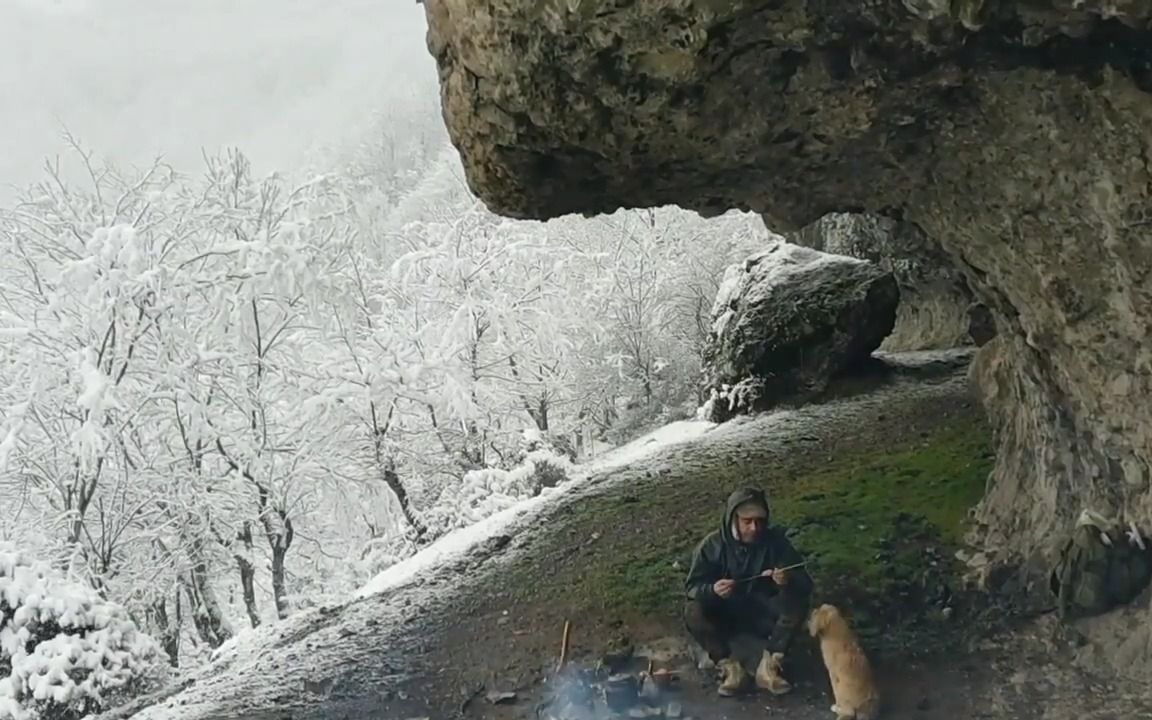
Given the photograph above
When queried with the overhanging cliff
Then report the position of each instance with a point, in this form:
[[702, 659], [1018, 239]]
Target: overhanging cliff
[[1013, 134]]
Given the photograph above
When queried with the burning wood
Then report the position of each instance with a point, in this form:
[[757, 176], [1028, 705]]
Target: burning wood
[[594, 694], [608, 691]]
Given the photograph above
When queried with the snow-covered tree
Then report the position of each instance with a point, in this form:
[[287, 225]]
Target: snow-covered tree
[[65, 651], [217, 389]]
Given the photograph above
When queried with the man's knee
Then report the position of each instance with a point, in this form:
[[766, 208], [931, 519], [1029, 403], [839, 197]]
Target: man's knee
[[705, 619], [706, 626], [696, 617]]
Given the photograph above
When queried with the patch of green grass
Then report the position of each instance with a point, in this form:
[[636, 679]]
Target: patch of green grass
[[872, 521], [871, 518]]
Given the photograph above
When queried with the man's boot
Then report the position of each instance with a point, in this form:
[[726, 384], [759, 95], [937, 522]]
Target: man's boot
[[768, 674], [732, 678]]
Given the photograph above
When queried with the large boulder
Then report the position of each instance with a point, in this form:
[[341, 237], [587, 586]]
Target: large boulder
[[937, 310], [789, 319]]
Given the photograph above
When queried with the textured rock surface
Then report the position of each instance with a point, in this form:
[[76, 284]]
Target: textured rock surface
[[1013, 133], [789, 319], [935, 301]]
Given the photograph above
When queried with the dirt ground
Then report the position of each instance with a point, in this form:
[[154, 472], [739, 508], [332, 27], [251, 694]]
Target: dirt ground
[[971, 665], [610, 559]]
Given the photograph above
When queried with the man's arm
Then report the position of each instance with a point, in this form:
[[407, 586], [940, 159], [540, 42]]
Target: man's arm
[[704, 572], [784, 554], [795, 594]]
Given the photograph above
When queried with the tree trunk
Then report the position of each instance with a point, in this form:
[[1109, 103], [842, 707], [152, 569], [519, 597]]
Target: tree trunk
[[207, 615], [539, 414], [168, 631], [279, 532], [247, 573], [388, 473], [542, 415], [278, 587], [392, 480]]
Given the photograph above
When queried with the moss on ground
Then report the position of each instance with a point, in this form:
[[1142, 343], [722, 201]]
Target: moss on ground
[[870, 523]]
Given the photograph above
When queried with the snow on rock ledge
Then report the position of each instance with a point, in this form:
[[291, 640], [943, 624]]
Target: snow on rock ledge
[[789, 319]]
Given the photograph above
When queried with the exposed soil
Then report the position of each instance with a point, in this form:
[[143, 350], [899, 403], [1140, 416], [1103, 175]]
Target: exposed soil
[[874, 484], [612, 562]]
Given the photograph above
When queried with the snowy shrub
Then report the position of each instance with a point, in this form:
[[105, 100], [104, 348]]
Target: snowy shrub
[[550, 455], [378, 555], [641, 419], [481, 494], [547, 472], [64, 651], [533, 440], [489, 490]]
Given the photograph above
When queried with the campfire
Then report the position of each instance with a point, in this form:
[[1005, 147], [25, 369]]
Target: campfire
[[611, 688], [582, 693]]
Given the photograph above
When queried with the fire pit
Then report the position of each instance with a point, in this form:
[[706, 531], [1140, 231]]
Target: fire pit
[[592, 694], [610, 690]]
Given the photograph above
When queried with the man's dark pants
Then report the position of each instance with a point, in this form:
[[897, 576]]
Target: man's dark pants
[[714, 623]]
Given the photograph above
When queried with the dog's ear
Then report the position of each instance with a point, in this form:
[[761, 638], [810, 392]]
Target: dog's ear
[[816, 622]]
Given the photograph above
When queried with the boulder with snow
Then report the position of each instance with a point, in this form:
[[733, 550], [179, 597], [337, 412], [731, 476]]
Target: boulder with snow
[[789, 319]]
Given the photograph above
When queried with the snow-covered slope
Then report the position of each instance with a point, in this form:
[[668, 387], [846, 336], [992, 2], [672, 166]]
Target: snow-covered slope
[[335, 661], [457, 544]]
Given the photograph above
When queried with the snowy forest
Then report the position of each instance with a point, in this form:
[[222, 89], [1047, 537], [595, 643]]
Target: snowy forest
[[294, 425], [226, 396]]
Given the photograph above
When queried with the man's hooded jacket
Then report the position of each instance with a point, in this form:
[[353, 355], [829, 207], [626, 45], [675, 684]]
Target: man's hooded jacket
[[721, 555]]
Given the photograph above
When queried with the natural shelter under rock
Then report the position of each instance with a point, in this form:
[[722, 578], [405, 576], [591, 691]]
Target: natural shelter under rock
[[936, 310], [1012, 133]]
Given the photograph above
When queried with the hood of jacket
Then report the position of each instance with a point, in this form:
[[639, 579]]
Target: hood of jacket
[[735, 500]]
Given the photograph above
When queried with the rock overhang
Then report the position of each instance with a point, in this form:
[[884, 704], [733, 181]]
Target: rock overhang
[[1012, 134], [792, 109]]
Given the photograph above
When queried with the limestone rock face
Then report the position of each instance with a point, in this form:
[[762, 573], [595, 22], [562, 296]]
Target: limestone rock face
[[1014, 134], [788, 320], [936, 306]]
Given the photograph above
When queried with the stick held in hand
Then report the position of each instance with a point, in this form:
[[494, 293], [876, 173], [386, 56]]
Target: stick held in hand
[[757, 577]]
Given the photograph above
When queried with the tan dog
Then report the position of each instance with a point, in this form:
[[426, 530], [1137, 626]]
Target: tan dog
[[853, 686]]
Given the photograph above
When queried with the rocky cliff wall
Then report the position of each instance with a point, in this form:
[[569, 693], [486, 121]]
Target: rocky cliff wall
[[1014, 134]]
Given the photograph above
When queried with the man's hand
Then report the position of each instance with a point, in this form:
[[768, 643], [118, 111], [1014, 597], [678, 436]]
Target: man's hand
[[723, 588], [779, 576]]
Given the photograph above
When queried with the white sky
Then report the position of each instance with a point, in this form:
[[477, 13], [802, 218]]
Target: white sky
[[136, 78]]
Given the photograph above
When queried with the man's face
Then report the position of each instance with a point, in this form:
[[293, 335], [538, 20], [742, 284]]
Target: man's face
[[750, 523]]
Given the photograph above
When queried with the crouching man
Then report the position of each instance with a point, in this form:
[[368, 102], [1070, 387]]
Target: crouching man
[[723, 602]]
